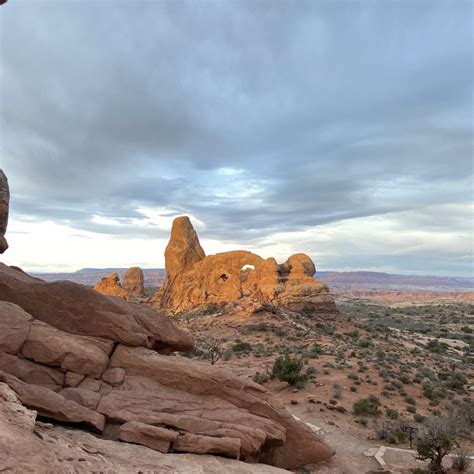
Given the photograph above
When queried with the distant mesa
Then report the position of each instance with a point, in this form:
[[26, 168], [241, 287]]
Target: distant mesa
[[194, 279], [132, 286]]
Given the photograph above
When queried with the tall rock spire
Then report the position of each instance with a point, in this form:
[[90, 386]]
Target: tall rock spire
[[183, 249]]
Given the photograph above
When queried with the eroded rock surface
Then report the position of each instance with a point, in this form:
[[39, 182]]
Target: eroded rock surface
[[4, 203], [133, 282], [79, 364], [98, 363], [132, 288], [194, 279], [110, 285]]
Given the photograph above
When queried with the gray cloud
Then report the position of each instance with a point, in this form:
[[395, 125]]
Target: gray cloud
[[331, 110]]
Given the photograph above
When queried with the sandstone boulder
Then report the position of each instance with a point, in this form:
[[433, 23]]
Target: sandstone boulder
[[53, 405], [110, 285], [14, 327], [80, 354], [20, 449], [154, 437], [30, 372], [194, 279], [77, 309], [4, 203], [81, 396], [133, 282], [190, 443]]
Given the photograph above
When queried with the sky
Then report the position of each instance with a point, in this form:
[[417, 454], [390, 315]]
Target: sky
[[342, 129]]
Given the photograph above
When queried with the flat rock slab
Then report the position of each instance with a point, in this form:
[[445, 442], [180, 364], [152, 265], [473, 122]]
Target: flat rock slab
[[208, 445], [79, 354], [31, 372], [14, 327], [154, 437], [53, 405]]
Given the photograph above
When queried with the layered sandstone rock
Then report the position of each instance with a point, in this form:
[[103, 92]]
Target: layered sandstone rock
[[4, 203], [27, 445], [92, 361], [110, 285], [98, 363], [77, 309], [194, 279], [133, 282]]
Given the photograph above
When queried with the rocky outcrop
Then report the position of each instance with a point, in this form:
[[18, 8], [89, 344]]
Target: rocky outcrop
[[92, 360], [110, 285], [133, 282], [4, 203], [27, 445], [99, 363], [133, 285], [80, 310], [194, 279]]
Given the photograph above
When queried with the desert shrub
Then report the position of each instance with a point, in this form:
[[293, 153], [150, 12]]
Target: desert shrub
[[241, 347], [260, 378], [353, 388], [337, 390], [260, 327], [419, 418], [391, 432], [211, 349], [364, 343], [367, 406], [410, 400], [392, 413], [461, 461], [411, 409], [316, 350], [310, 371], [437, 440], [436, 346], [287, 369], [210, 308], [456, 381], [419, 470], [404, 378]]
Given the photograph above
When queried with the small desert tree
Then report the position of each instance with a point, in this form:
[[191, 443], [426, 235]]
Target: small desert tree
[[437, 439], [211, 349], [287, 369]]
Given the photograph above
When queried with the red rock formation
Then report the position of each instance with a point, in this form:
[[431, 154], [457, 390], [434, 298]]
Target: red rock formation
[[193, 278], [133, 282], [77, 356], [4, 203], [132, 285], [110, 285]]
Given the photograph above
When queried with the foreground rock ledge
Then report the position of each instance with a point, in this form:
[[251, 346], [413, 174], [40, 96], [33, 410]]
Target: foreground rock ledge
[[92, 361]]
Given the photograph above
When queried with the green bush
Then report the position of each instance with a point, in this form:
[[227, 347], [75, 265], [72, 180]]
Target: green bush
[[287, 369], [260, 378], [367, 406], [241, 347], [461, 461], [391, 413]]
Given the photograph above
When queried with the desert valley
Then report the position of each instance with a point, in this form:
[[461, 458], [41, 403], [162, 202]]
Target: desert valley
[[234, 363]]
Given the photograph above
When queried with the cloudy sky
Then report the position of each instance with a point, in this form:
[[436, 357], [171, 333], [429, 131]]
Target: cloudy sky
[[340, 129]]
